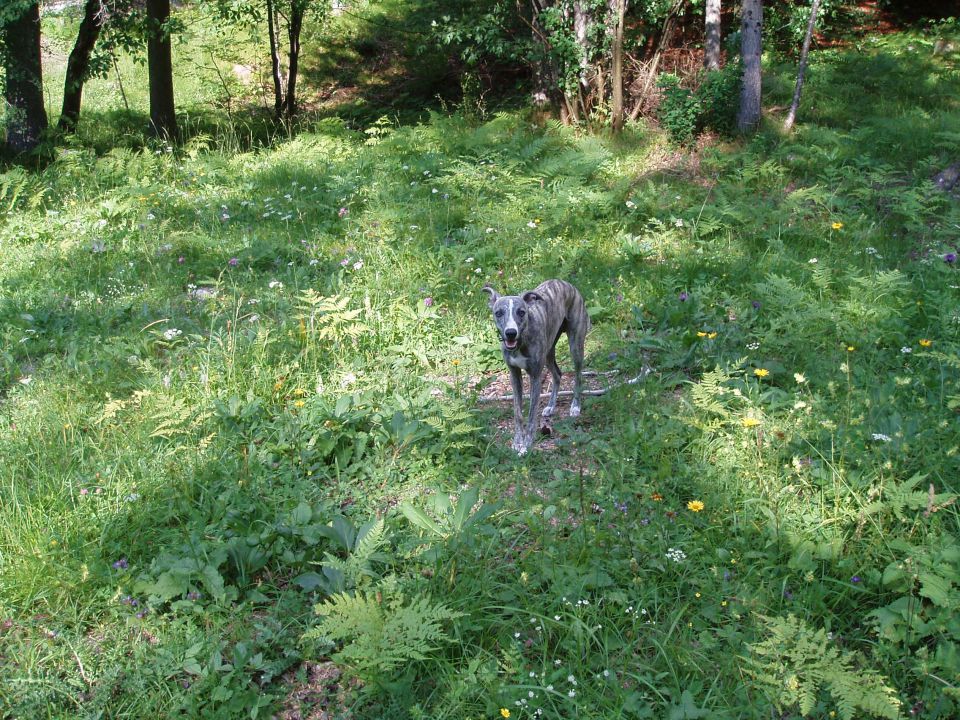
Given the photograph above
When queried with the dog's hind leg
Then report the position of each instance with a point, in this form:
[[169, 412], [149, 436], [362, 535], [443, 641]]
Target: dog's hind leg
[[555, 385], [516, 380], [577, 339]]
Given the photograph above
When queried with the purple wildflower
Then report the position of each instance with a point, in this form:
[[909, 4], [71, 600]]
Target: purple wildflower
[[683, 296], [855, 579], [180, 260], [233, 262], [344, 262], [343, 212], [950, 258], [756, 304], [120, 564], [428, 302], [622, 507]]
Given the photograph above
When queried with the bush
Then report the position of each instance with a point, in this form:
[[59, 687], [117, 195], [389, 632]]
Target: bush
[[684, 113]]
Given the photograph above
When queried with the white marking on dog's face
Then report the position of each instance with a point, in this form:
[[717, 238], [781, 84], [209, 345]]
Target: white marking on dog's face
[[510, 316]]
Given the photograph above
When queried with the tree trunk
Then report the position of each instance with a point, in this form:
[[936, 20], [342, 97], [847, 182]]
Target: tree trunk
[[619, 8], [581, 28], [711, 38], [275, 60], [28, 117], [297, 8], [804, 52], [546, 79], [78, 66], [160, 70], [751, 47]]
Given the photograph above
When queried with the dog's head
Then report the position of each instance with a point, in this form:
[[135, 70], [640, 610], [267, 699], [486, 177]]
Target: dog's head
[[511, 315]]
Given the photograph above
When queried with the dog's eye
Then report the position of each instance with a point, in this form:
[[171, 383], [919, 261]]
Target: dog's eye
[[521, 313], [499, 313]]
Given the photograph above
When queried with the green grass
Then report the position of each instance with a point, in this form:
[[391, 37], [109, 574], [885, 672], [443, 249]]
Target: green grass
[[218, 367]]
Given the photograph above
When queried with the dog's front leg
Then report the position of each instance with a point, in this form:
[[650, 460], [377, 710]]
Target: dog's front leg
[[536, 381], [516, 379]]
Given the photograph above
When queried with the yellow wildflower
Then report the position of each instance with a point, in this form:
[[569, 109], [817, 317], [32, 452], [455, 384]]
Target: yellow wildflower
[[924, 342], [701, 333], [711, 336], [837, 226], [850, 348], [695, 506], [761, 372], [504, 713], [299, 403], [749, 422]]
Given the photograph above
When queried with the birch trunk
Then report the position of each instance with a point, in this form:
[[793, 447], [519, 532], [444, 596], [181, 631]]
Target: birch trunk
[[711, 37], [802, 70]]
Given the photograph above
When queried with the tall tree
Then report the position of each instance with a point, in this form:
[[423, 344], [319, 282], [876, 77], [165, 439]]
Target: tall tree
[[78, 65], [163, 115], [27, 117], [804, 52], [711, 38], [751, 46]]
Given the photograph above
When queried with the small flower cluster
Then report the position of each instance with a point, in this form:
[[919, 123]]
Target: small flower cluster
[[676, 554]]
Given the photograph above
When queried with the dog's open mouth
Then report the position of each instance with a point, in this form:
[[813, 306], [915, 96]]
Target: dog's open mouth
[[510, 344]]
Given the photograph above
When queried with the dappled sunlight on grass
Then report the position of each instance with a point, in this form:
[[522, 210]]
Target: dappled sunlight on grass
[[234, 384]]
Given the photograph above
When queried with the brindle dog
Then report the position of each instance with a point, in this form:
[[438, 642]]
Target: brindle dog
[[530, 326]]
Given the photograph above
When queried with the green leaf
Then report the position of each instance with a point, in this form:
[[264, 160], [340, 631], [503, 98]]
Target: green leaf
[[464, 505], [420, 519], [935, 588], [301, 514]]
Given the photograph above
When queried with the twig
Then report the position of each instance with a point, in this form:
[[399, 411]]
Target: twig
[[568, 393]]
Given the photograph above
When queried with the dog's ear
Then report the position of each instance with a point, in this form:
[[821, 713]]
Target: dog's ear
[[529, 297], [494, 295]]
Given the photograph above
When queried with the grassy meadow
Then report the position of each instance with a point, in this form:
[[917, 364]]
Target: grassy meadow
[[247, 470]]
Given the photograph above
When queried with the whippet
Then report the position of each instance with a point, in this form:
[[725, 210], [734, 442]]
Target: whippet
[[530, 326]]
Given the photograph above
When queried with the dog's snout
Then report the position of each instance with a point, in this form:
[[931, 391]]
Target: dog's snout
[[510, 333]]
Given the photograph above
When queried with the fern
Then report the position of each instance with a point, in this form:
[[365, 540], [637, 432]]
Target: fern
[[179, 417], [327, 318], [795, 663], [381, 631], [905, 496], [364, 551]]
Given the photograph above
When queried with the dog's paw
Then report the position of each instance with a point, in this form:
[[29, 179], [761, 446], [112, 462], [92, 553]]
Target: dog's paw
[[548, 410], [574, 411]]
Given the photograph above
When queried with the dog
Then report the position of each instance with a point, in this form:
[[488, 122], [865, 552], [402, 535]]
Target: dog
[[530, 326]]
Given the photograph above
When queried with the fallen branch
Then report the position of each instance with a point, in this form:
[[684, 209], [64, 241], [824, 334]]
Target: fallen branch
[[568, 393]]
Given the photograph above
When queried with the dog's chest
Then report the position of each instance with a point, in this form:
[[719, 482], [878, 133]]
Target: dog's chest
[[517, 360]]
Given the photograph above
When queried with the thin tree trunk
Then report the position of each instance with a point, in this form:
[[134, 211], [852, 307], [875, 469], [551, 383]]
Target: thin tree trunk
[[748, 116], [581, 27], [711, 37], [160, 70], [616, 69], [293, 33], [78, 66], [275, 60], [24, 91], [801, 72]]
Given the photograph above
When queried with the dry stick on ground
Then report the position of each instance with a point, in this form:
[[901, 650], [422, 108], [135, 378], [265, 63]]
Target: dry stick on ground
[[590, 393]]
